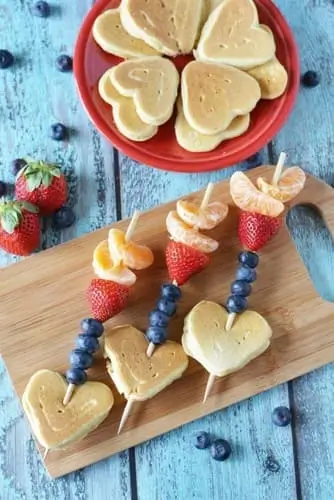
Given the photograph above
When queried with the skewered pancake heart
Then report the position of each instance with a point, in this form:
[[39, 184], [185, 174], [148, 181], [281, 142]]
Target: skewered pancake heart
[[191, 140], [134, 374], [57, 426], [232, 35], [220, 352], [171, 27], [272, 78], [152, 82], [213, 95], [110, 35], [125, 115]]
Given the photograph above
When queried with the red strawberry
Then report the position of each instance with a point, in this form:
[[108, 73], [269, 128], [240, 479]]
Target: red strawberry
[[43, 185], [106, 298], [255, 230], [19, 227], [183, 261]]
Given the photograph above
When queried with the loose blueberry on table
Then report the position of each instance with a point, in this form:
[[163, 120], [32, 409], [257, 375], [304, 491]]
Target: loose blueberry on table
[[17, 165], [59, 132], [6, 59], [3, 188], [202, 440], [220, 450], [64, 63], [311, 79], [63, 218], [254, 161], [281, 416], [40, 9]]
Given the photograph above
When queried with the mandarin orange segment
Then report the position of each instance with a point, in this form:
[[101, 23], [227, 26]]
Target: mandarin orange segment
[[105, 268], [202, 218], [184, 233], [128, 253], [290, 184], [248, 198]]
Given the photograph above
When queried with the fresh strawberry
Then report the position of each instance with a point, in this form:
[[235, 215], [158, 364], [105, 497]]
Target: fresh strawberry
[[106, 298], [255, 230], [43, 185], [19, 227], [183, 262]]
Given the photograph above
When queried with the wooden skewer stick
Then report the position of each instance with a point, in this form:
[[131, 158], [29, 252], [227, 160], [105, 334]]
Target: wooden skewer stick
[[69, 394], [209, 385], [207, 195], [45, 454], [132, 226], [125, 415], [230, 321], [278, 169]]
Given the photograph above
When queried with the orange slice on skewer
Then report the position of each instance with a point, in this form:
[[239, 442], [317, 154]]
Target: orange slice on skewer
[[184, 233], [247, 197], [106, 269], [127, 252], [202, 218], [290, 184]]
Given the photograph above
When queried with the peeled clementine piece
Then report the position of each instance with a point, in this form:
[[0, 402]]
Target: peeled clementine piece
[[184, 233], [202, 218], [106, 269], [290, 184], [127, 252], [247, 197]]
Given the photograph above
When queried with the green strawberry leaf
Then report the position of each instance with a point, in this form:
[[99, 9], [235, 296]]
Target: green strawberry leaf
[[10, 220], [29, 207], [34, 180], [39, 173]]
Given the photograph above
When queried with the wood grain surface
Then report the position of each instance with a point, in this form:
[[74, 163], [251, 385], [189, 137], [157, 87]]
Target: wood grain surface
[[296, 462]]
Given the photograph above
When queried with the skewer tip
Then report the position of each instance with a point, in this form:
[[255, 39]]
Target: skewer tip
[[209, 385], [45, 454], [125, 415], [150, 350], [69, 394], [230, 321]]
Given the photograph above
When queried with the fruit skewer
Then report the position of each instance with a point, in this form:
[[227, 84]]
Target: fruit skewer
[[260, 220], [186, 255]]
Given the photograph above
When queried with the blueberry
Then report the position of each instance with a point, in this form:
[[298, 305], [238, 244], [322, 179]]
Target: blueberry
[[240, 287], [220, 450], [236, 304], [249, 259], [87, 343], [246, 274], [171, 292], [17, 165], [254, 161], [281, 416], [158, 318], [3, 188], [156, 334], [63, 218], [167, 306], [311, 79], [59, 132], [64, 63], [76, 376], [81, 359], [91, 326], [41, 9], [202, 440], [6, 59]]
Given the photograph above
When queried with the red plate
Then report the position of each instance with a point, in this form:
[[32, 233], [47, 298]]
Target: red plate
[[90, 62]]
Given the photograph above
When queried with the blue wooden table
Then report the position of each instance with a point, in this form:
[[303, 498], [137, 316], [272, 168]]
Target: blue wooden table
[[279, 463]]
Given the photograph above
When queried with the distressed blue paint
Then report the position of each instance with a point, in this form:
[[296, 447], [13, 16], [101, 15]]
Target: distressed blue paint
[[32, 96]]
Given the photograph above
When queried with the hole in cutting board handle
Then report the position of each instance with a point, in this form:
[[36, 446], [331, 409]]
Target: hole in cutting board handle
[[315, 245]]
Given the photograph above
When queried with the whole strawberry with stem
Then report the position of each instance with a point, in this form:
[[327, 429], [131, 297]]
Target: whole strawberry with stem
[[183, 262], [255, 230], [19, 227], [42, 184]]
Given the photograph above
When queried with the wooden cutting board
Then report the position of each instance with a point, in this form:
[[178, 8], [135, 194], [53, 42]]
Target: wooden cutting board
[[42, 301]]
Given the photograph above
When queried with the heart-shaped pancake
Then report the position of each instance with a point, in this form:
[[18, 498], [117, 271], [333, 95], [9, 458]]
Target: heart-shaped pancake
[[134, 374], [213, 95], [109, 34], [125, 115], [232, 35], [272, 78], [57, 426], [170, 26], [220, 352], [191, 140], [152, 83]]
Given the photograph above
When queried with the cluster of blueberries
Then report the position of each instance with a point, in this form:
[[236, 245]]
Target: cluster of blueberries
[[241, 287], [165, 309], [87, 344]]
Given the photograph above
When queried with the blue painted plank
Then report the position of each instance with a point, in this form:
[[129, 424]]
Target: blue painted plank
[[33, 95], [308, 139], [170, 467]]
